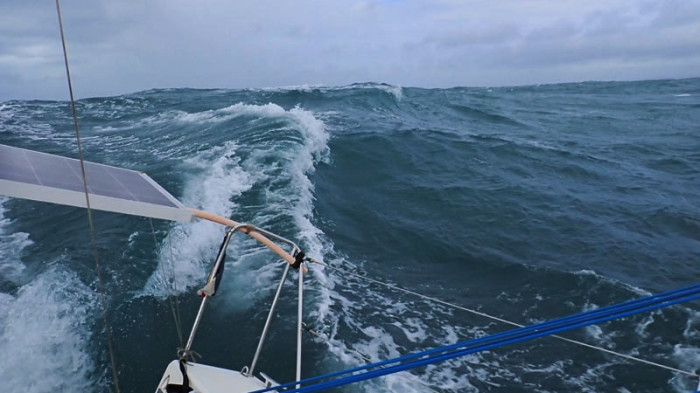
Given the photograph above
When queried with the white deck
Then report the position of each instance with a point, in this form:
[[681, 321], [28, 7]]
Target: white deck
[[208, 379]]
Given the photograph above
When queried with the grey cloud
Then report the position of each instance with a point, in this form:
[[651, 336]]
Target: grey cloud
[[129, 45], [483, 35], [586, 47]]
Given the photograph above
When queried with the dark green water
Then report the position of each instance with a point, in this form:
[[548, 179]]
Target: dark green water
[[526, 203]]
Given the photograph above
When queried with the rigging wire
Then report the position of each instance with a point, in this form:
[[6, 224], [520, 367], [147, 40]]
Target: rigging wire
[[103, 299], [505, 321], [172, 298], [177, 302]]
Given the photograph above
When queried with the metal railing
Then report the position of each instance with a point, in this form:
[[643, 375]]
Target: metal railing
[[211, 284]]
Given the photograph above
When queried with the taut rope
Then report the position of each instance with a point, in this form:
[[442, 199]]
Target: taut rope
[[103, 300]]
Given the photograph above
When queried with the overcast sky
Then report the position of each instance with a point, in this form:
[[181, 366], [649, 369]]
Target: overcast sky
[[123, 46]]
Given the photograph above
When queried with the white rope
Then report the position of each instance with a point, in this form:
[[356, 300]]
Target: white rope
[[103, 299], [494, 318]]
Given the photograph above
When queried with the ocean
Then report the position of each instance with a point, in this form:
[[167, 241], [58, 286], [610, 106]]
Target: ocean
[[526, 203]]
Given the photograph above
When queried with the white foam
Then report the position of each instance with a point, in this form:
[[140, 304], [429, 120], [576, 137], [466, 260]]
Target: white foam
[[189, 248], [29, 128], [641, 328], [11, 247], [688, 357], [595, 332], [376, 343], [303, 87], [162, 119], [395, 90], [222, 178], [614, 282], [220, 115], [413, 328], [692, 328], [44, 332], [45, 326], [520, 141], [446, 378]]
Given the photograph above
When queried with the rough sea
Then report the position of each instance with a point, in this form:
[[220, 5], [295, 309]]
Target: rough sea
[[526, 203]]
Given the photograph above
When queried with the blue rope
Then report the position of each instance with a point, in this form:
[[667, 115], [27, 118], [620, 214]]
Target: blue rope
[[450, 355], [509, 337]]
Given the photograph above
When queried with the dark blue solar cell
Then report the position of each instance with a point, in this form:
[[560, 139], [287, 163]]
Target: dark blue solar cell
[[101, 182], [53, 171], [15, 166], [142, 189]]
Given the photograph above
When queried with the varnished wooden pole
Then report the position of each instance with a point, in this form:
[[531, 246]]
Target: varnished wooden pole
[[255, 235]]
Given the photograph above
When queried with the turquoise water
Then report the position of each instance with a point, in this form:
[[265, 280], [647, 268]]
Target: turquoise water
[[527, 203]]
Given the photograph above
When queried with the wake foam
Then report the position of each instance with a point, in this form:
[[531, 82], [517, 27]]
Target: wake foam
[[44, 331], [188, 247], [223, 176], [44, 326], [11, 247]]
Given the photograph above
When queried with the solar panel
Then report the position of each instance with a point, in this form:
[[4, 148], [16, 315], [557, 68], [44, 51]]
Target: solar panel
[[50, 178]]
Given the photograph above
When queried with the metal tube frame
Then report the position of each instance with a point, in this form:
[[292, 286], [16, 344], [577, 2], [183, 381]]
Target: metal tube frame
[[295, 249], [300, 322], [267, 322], [198, 318], [219, 260]]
